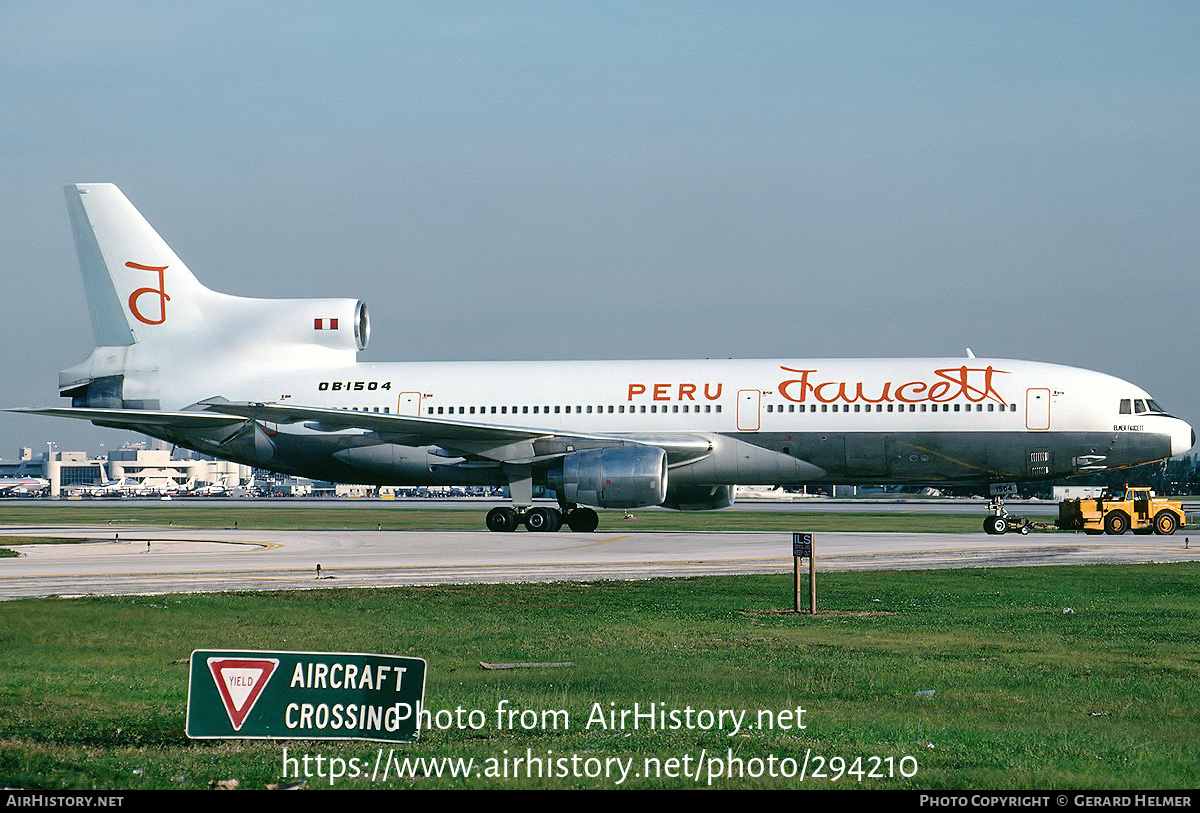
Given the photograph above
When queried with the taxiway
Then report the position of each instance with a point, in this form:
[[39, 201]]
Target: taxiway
[[171, 560]]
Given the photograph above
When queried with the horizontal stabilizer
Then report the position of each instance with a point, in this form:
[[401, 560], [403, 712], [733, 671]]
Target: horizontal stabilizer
[[133, 418]]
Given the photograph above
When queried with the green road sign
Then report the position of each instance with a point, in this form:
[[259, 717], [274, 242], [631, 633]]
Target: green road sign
[[304, 696]]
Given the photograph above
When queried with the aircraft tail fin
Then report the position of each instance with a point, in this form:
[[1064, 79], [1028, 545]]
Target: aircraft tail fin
[[127, 267], [152, 319]]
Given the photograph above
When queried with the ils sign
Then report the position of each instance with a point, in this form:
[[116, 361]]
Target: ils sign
[[802, 545], [304, 695]]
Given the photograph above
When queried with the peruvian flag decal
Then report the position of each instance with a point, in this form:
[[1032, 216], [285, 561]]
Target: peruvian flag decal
[[240, 681]]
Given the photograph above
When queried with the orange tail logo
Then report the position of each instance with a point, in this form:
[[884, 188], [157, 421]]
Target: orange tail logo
[[160, 292]]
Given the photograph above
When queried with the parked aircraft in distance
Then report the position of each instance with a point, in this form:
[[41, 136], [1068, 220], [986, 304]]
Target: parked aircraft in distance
[[275, 383], [23, 486], [111, 488]]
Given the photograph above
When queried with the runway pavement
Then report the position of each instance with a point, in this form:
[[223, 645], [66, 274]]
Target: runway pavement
[[171, 560]]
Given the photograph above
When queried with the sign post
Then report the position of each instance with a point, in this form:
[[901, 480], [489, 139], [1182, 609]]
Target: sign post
[[238, 694], [802, 547]]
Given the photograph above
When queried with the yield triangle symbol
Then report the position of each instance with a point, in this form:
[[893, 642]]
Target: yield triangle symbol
[[240, 682]]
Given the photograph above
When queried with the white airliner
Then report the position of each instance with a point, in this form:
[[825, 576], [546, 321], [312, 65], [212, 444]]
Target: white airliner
[[275, 383], [23, 486], [111, 488]]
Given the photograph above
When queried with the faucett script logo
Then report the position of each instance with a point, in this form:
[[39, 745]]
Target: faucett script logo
[[135, 298], [971, 383]]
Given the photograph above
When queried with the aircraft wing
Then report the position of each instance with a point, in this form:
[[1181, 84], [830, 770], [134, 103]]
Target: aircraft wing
[[509, 444]]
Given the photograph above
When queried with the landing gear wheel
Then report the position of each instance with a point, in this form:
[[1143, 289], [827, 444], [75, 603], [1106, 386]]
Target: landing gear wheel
[[583, 520], [543, 519], [1116, 523], [1165, 523], [995, 524], [501, 519]]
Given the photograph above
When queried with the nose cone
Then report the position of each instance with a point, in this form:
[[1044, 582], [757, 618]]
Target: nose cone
[[1183, 438]]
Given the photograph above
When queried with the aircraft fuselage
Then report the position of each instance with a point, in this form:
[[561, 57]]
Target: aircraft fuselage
[[905, 421]]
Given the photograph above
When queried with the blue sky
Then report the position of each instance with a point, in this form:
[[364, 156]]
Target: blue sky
[[626, 180]]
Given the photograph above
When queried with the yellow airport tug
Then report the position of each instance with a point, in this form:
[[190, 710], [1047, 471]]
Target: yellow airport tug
[[1119, 510]]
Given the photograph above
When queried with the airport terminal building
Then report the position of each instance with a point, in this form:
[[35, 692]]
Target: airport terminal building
[[137, 470]]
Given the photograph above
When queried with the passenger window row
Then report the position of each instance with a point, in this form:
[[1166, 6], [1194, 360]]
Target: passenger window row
[[1138, 406], [894, 407], [575, 410]]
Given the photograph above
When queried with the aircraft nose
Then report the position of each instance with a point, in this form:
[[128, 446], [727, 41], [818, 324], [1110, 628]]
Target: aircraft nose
[[1183, 439]]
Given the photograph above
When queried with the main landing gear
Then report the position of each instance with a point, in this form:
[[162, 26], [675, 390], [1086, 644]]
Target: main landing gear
[[1000, 522], [542, 518], [578, 518]]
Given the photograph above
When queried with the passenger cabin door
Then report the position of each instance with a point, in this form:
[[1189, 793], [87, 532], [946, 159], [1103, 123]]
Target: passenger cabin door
[[748, 419], [1037, 409], [409, 403]]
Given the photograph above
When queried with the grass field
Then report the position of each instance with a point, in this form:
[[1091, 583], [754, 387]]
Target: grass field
[[1002, 678]]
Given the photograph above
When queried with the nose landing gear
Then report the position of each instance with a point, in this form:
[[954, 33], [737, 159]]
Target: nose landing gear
[[1000, 522]]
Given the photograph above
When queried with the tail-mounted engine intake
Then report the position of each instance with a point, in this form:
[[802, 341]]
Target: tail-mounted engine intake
[[616, 477]]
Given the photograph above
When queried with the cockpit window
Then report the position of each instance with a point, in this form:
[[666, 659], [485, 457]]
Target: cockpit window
[[1140, 406]]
